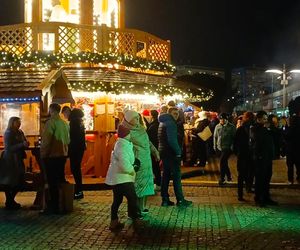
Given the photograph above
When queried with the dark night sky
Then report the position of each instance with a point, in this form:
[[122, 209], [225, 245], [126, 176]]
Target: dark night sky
[[219, 33]]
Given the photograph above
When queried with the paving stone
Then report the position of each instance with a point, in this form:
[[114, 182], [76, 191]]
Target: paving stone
[[215, 221]]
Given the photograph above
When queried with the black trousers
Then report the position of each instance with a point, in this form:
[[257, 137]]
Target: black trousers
[[224, 168], [10, 194], [127, 190], [263, 175], [290, 163], [245, 168], [199, 151], [75, 162], [156, 171], [55, 173]]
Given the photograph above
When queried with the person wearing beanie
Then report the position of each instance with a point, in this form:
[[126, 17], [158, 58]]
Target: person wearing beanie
[[143, 148], [198, 145], [121, 177], [130, 116]]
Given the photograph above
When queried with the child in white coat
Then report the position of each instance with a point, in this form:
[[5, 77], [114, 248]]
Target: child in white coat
[[121, 176]]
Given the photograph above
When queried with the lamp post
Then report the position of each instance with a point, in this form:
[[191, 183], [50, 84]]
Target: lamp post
[[284, 76]]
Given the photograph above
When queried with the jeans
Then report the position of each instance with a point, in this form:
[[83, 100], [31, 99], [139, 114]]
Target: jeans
[[127, 190], [171, 165]]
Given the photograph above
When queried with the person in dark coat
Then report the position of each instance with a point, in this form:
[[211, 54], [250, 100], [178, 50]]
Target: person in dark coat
[[262, 146], [244, 157], [170, 153], [77, 147], [152, 132], [276, 134], [15, 144], [180, 122], [199, 146], [292, 139]]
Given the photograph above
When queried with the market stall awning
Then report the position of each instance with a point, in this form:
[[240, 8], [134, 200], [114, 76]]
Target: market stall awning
[[120, 81]]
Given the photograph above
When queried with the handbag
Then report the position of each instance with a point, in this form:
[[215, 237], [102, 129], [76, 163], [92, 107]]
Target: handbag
[[205, 134]]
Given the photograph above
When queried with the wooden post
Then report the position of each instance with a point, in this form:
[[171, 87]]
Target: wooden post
[[36, 11], [86, 12], [121, 14], [169, 51], [86, 17], [104, 36]]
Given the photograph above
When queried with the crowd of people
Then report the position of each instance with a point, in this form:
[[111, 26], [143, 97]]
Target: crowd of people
[[149, 153]]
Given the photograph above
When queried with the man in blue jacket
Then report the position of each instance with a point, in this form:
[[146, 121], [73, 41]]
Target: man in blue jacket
[[170, 153]]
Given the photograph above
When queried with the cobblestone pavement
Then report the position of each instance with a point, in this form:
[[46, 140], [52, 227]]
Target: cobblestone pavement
[[215, 221], [212, 171]]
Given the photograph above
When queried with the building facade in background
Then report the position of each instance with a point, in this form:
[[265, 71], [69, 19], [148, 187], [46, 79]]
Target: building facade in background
[[192, 69]]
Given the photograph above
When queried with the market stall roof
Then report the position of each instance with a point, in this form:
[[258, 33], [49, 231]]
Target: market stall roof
[[120, 81], [116, 76], [21, 83]]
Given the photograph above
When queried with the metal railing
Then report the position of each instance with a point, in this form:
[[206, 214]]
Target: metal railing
[[72, 38]]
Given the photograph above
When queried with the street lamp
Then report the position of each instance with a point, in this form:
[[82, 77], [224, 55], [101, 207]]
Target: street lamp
[[284, 81]]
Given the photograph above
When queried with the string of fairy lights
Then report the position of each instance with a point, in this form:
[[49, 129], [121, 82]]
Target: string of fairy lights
[[42, 60], [47, 60], [192, 95]]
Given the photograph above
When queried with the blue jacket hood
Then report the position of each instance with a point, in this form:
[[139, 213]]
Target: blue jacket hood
[[165, 118]]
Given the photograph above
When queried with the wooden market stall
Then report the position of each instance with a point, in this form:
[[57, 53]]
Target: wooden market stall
[[79, 53], [27, 94]]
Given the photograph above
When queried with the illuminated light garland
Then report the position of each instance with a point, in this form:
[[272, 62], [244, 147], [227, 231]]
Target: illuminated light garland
[[192, 95], [21, 99], [46, 60]]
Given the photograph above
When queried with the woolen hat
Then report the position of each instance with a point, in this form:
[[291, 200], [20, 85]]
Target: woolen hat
[[123, 131], [202, 115], [130, 114]]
